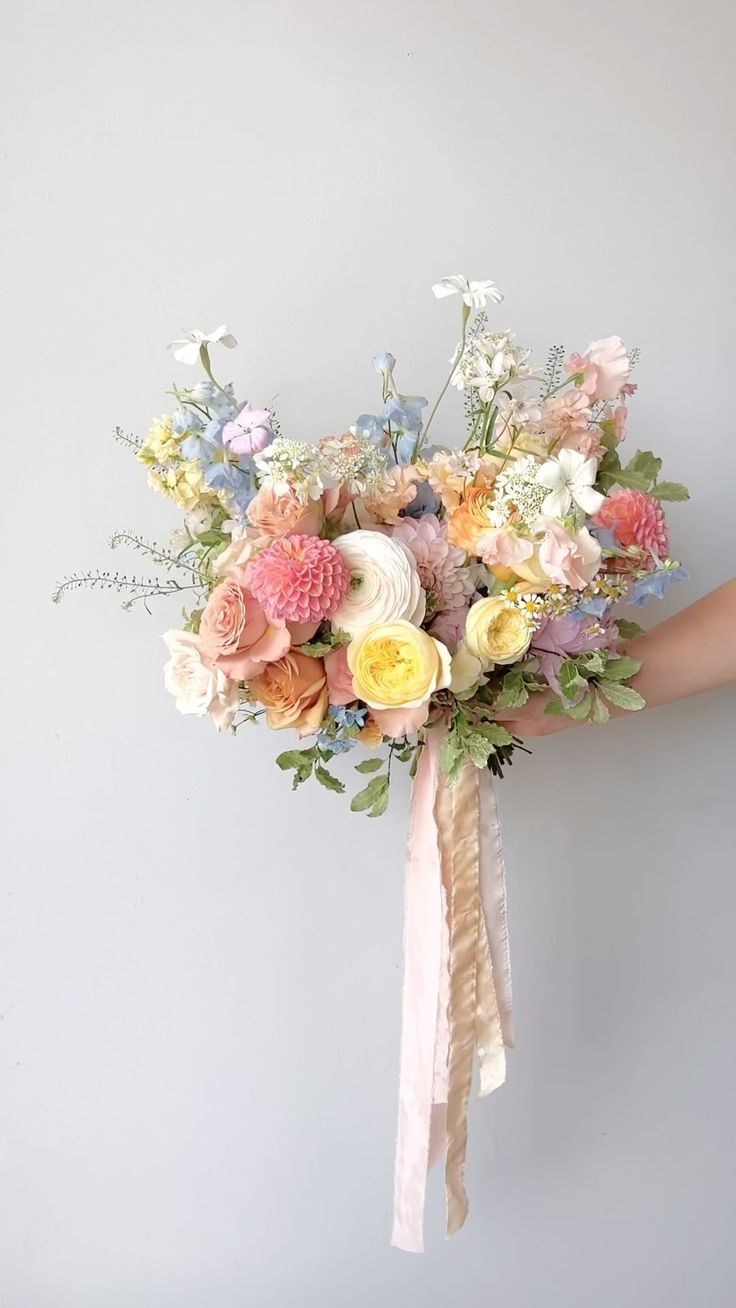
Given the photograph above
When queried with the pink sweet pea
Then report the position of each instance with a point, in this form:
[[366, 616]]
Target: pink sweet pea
[[501, 545], [572, 559], [603, 369]]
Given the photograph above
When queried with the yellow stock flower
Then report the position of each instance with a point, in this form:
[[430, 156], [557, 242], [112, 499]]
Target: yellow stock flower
[[496, 632], [397, 665]]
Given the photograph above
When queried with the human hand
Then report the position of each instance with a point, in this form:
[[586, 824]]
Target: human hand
[[531, 719]]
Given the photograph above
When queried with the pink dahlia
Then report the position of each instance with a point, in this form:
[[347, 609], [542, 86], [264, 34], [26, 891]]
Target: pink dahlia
[[636, 519], [299, 579], [441, 566]]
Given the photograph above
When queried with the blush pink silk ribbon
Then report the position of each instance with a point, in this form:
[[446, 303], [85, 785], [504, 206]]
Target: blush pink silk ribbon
[[457, 984]]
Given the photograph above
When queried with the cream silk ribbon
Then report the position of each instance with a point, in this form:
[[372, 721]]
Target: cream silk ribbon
[[457, 984]]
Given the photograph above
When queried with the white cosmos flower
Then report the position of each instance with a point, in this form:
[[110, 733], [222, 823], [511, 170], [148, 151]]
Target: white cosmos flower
[[569, 477], [384, 583], [187, 351], [474, 294]]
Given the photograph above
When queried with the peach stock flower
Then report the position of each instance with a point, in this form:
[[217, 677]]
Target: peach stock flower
[[281, 515], [471, 523], [235, 633], [400, 490], [293, 690]]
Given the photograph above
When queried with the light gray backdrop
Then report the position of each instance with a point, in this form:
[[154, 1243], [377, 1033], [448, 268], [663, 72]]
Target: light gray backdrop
[[201, 972]]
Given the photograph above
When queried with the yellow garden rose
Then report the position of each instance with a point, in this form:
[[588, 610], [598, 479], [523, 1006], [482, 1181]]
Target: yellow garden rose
[[496, 632], [397, 665]]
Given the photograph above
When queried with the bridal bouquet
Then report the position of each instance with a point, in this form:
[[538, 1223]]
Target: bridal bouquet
[[383, 592]]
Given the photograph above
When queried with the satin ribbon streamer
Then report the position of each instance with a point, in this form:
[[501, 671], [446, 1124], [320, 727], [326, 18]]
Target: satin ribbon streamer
[[457, 984]]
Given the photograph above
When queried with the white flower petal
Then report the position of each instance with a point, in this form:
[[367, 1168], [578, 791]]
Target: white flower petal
[[558, 503], [551, 475], [589, 500], [187, 352], [450, 286]]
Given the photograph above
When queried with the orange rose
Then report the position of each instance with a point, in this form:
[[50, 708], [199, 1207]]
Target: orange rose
[[281, 515], [471, 521], [293, 691]]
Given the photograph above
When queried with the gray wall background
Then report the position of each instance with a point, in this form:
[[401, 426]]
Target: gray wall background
[[201, 972]]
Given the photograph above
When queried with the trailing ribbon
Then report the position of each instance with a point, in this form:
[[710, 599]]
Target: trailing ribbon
[[457, 984]]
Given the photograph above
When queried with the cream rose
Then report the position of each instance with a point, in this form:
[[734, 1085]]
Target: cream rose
[[384, 583], [197, 686], [467, 670], [397, 665], [496, 631]]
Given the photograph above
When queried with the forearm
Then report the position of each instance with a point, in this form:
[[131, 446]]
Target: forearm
[[693, 651]]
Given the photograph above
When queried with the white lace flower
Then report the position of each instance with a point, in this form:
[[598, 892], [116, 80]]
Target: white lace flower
[[474, 294], [569, 478], [187, 351], [384, 583]]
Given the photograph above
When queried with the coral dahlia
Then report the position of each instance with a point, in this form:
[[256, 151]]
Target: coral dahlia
[[299, 579], [636, 519]]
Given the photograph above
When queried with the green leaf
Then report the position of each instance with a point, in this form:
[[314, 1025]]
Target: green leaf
[[381, 804], [513, 691], [580, 710], [628, 630], [621, 669], [493, 732], [555, 708], [571, 682], [316, 649], [211, 537], [369, 765], [646, 464], [415, 762], [672, 491], [295, 758], [477, 747], [599, 712], [595, 662], [624, 697], [623, 477], [370, 795], [451, 753], [327, 780]]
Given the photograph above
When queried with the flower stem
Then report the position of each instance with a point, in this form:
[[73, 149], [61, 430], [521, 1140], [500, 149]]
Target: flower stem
[[421, 438], [204, 355]]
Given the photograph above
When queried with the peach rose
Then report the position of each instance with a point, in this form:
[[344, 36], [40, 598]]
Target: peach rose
[[339, 677], [293, 690], [198, 686], [283, 514], [234, 559], [236, 635]]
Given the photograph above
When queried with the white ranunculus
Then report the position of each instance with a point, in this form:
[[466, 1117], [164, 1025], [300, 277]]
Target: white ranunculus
[[569, 478], [474, 294], [187, 351], [384, 583], [197, 686]]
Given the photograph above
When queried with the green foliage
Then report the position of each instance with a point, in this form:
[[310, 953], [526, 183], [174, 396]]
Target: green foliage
[[628, 630], [373, 799], [369, 765], [513, 691], [640, 473], [471, 739], [587, 680], [324, 643]]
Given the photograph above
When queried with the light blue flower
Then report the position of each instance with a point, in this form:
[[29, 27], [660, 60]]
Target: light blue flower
[[404, 411], [348, 717], [334, 746], [594, 608], [655, 583]]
